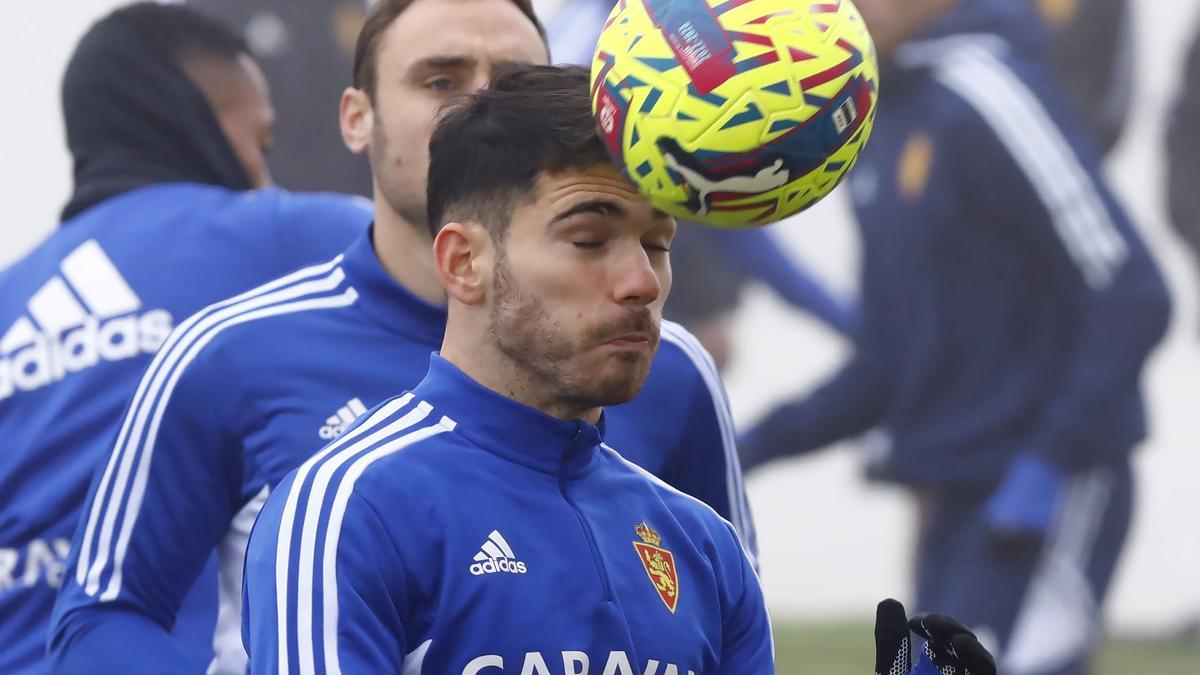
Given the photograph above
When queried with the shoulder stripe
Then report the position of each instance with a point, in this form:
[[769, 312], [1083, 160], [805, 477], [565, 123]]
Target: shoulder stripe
[[387, 431], [304, 290], [315, 500], [286, 524], [739, 508], [142, 476], [1081, 217], [329, 588]]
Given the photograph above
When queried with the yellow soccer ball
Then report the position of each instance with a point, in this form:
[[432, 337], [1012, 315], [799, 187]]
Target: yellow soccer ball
[[735, 113]]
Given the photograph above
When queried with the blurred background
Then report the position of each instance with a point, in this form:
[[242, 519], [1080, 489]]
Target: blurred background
[[832, 544]]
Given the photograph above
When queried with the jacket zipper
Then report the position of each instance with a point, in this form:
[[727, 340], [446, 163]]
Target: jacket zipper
[[605, 583]]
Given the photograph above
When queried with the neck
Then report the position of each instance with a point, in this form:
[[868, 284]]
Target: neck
[[405, 252], [487, 365]]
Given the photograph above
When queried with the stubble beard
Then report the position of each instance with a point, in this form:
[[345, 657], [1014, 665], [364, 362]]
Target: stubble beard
[[388, 172], [539, 346]]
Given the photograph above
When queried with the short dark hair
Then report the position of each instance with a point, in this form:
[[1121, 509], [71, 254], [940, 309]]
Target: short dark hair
[[379, 17], [488, 149], [180, 33]]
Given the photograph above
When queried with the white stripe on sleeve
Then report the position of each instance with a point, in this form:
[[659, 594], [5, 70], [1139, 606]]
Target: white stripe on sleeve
[[739, 509], [287, 521], [132, 453], [329, 588], [1081, 217]]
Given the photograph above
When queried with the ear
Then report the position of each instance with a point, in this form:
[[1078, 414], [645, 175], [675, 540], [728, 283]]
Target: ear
[[357, 118], [463, 254]]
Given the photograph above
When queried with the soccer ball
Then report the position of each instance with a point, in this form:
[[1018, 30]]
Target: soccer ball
[[734, 113]]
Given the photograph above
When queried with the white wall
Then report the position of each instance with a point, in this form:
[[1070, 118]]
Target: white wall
[[832, 546]]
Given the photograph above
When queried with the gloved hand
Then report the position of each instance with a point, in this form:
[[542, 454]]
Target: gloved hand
[[1021, 511], [950, 649]]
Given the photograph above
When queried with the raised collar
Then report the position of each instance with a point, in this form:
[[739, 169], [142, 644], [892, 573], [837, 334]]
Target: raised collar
[[387, 302], [512, 430]]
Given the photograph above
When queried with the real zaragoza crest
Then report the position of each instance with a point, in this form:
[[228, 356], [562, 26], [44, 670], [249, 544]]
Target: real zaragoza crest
[[659, 564]]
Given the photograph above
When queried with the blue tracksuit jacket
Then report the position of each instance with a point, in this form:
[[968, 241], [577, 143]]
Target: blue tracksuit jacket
[[249, 389], [454, 530], [80, 317], [1008, 302]]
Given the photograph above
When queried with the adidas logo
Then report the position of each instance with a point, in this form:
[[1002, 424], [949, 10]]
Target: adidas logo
[[337, 423], [496, 556], [85, 315]]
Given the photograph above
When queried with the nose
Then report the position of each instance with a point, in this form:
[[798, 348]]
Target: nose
[[637, 281], [480, 79]]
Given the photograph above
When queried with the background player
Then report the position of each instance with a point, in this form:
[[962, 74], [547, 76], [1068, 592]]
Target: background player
[[168, 122], [241, 397], [1009, 307]]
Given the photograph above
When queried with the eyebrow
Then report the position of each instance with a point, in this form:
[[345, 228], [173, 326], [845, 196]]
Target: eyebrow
[[444, 62], [603, 207]]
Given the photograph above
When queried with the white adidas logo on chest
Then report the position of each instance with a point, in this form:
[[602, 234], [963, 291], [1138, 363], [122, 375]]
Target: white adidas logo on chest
[[496, 556]]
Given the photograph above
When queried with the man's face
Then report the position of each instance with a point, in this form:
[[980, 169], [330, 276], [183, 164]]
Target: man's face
[[237, 92], [579, 284], [434, 51]]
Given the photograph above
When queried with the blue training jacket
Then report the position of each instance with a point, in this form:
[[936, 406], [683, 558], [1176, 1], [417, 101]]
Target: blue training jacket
[[80, 317], [249, 389], [453, 530], [1009, 304]]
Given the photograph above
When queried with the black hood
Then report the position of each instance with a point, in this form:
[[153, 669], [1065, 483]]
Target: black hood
[[133, 118]]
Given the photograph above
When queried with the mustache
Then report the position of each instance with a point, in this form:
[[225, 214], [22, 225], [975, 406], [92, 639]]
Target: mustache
[[642, 322]]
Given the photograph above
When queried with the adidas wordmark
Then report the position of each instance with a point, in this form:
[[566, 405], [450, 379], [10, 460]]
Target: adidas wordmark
[[496, 556], [85, 315]]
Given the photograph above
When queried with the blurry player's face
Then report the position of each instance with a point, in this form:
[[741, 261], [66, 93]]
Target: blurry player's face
[[434, 51], [238, 95], [893, 23], [578, 287]]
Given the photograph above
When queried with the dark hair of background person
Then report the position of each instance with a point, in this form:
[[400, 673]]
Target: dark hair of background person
[[379, 17], [489, 148], [133, 117]]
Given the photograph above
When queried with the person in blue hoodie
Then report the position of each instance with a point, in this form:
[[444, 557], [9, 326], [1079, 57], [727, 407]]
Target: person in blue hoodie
[[1009, 307], [167, 120], [248, 388], [485, 522]]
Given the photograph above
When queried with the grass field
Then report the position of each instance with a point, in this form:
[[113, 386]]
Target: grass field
[[847, 649]]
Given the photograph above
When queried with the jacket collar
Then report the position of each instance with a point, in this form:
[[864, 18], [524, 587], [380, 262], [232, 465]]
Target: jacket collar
[[512, 430], [386, 301]]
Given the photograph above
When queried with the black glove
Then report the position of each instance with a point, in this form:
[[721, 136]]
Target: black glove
[[950, 649]]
